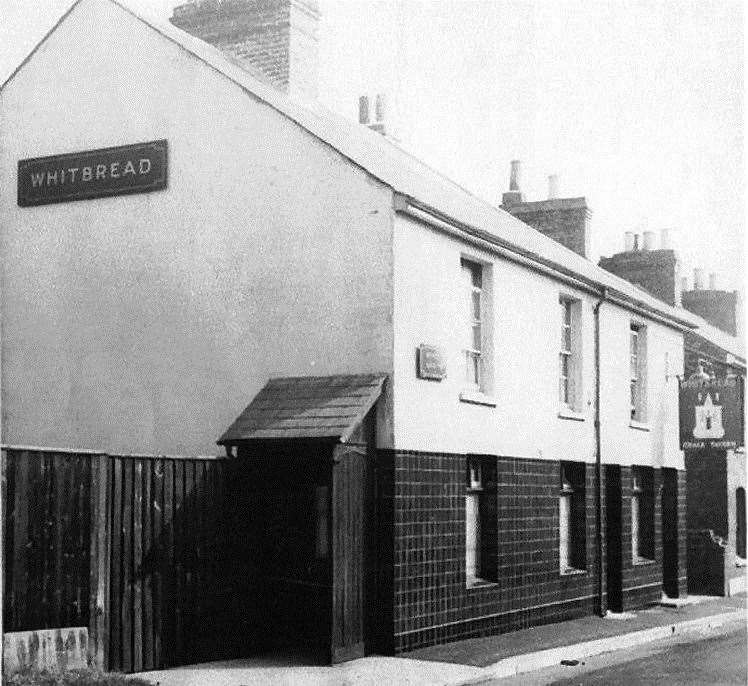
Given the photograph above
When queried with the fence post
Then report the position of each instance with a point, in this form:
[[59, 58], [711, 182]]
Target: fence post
[[99, 615]]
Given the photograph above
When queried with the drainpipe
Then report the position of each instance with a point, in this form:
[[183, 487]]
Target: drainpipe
[[598, 459]]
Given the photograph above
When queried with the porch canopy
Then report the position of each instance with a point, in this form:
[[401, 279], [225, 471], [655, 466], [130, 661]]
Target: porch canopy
[[327, 407]]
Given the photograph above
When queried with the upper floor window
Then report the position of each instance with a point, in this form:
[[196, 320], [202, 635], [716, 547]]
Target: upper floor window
[[569, 382], [638, 372], [472, 273]]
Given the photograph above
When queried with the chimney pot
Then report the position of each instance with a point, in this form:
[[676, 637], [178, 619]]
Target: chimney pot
[[629, 240], [552, 187], [665, 239], [649, 240], [514, 175], [712, 282], [363, 110], [380, 108], [683, 284], [636, 242], [698, 279]]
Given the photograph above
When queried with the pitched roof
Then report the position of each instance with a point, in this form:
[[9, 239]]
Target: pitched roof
[[307, 407], [406, 174]]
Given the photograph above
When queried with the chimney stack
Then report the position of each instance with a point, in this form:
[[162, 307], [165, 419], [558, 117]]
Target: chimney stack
[[552, 187], [565, 220], [274, 39], [698, 279], [378, 122], [654, 270]]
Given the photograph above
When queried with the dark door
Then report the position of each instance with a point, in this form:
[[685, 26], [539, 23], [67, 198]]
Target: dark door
[[613, 537], [351, 521], [670, 532]]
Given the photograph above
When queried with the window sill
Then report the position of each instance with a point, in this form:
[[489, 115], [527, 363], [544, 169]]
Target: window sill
[[477, 398], [740, 562], [568, 413], [642, 561], [572, 571], [479, 583], [639, 426]]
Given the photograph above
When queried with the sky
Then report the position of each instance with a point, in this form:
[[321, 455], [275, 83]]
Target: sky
[[636, 105]]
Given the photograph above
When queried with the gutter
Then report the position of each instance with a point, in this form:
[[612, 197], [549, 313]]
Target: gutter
[[487, 241], [602, 610]]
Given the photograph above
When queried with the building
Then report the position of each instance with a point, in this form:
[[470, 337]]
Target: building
[[443, 413], [716, 477]]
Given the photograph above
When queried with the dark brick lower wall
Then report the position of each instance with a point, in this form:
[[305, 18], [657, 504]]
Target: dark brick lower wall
[[423, 509]]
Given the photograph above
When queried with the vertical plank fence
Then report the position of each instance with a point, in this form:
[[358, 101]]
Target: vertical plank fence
[[132, 547]]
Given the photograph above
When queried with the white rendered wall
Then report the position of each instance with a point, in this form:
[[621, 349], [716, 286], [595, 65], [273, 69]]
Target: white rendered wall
[[429, 415], [148, 322]]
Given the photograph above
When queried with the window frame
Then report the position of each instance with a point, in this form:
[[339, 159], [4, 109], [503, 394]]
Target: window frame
[[637, 373], [572, 517], [570, 379], [481, 555], [477, 317]]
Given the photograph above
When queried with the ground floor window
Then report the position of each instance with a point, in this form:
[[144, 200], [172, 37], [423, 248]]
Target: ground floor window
[[642, 514], [481, 526], [572, 518]]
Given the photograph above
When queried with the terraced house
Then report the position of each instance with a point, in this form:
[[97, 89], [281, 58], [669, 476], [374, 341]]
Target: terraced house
[[438, 421]]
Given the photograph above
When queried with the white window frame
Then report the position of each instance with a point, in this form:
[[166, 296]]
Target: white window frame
[[472, 521], [570, 357], [637, 372], [473, 351], [477, 327]]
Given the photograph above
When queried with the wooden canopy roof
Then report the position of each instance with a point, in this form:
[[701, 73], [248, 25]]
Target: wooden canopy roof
[[307, 407]]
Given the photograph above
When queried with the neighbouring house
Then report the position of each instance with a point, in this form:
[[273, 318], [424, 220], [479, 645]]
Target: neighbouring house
[[716, 476], [442, 423]]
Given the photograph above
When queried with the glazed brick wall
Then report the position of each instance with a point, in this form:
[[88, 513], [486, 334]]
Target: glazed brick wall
[[431, 603], [682, 535]]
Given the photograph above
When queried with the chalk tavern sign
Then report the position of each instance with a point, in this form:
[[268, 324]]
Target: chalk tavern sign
[[138, 168], [711, 413]]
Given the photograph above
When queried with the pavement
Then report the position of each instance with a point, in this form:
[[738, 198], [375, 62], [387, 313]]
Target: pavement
[[475, 660]]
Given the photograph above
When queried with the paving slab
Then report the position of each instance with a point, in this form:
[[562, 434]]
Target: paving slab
[[481, 652], [470, 661]]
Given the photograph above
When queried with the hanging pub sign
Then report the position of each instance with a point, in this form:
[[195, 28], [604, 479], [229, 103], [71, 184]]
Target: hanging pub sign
[[138, 168], [711, 413]]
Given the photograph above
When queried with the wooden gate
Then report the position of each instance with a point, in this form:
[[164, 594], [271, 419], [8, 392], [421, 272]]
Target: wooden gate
[[132, 547]]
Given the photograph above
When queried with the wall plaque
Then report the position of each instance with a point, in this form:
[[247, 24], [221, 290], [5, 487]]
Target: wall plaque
[[138, 168], [430, 363], [711, 413]]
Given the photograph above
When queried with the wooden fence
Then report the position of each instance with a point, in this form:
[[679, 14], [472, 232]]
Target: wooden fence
[[133, 547]]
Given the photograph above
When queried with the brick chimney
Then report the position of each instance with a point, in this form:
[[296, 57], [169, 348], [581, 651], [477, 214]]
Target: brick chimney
[[719, 308], [274, 39], [565, 220], [653, 269]]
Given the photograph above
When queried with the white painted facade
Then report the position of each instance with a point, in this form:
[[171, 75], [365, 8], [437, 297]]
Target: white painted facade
[[146, 323], [526, 332]]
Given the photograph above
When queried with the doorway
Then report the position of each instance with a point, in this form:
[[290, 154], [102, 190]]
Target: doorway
[[613, 537]]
